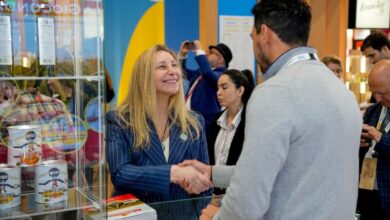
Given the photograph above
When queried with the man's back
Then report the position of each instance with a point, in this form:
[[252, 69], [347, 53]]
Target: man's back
[[301, 148]]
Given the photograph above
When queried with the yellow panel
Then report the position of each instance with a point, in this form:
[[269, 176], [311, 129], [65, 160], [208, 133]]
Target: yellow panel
[[149, 32]]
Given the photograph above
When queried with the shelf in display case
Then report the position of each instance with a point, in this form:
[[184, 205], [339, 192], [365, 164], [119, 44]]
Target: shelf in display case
[[78, 200], [90, 78], [64, 97]]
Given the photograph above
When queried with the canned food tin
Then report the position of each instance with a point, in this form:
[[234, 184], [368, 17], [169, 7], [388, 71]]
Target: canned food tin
[[24, 145], [9, 186], [51, 181]]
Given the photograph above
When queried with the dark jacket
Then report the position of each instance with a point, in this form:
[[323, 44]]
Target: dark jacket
[[382, 148], [204, 98], [235, 146], [145, 173]]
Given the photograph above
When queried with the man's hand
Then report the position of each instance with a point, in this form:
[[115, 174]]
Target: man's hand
[[369, 133], [198, 45], [183, 49], [205, 169], [209, 212], [190, 179]]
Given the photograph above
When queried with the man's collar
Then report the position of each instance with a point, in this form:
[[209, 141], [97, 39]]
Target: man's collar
[[283, 59]]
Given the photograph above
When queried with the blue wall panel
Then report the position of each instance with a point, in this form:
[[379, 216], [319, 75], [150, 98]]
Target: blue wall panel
[[234, 7], [181, 22], [120, 20]]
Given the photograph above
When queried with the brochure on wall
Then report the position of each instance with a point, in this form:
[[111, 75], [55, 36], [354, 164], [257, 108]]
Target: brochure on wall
[[234, 31]]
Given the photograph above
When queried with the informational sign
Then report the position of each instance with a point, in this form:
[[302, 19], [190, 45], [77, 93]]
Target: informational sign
[[46, 41], [6, 42], [373, 14], [234, 31]]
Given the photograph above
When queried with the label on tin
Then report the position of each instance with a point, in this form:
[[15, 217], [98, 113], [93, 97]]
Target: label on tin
[[25, 145], [51, 183], [9, 187], [6, 41], [46, 41]]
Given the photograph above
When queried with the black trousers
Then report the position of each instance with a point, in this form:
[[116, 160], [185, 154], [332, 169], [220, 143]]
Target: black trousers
[[369, 206]]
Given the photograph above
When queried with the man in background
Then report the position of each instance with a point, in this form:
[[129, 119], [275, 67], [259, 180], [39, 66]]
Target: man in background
[[376, 47], [334, 64], [374, 198], [202, 95], [300, 153]]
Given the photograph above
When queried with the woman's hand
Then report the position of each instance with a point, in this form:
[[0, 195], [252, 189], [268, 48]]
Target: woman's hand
[[190, 179]]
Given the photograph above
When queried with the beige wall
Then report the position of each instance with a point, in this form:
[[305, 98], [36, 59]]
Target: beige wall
[[328, 29], [208, 15]]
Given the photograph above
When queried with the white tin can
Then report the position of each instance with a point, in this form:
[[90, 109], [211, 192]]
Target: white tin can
[[9, 186], [24, 145], [51, 181]]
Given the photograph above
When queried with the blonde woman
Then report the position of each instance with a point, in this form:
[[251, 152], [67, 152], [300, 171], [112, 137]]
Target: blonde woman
[[152, 131]]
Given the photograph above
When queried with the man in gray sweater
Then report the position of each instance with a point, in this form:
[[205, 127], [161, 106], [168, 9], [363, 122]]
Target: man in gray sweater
[[302, 134]]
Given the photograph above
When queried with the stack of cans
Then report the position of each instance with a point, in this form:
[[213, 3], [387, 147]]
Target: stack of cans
[[24, 151]]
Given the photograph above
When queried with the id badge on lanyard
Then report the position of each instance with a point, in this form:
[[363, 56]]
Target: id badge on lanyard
[[301, 57], [382, 116]]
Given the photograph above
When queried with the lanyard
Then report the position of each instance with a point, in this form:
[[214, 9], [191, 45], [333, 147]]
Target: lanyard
[[382, 116], [302, 57]]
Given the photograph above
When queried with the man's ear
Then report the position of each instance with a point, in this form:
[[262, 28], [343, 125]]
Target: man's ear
[[221, 60], [266, 33], [385, 49]]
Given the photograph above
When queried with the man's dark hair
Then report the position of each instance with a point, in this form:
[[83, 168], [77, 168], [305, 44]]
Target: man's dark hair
[[376, 40], [289, 19]]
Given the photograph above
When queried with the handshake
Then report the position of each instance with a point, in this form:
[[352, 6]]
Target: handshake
[[193, 176]]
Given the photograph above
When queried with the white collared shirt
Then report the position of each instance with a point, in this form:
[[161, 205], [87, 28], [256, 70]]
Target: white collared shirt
[[165, 146], [225, 137]]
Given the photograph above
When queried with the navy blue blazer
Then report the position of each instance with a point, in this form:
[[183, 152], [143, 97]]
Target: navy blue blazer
[[382, 148], [145, 173], [204, 98]]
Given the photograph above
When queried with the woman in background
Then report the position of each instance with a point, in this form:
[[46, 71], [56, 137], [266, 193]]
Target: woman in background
[[227, 129], [152, 131], [334, 64]]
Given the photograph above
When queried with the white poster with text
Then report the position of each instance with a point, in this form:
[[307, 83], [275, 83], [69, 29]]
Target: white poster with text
[[234, 31]]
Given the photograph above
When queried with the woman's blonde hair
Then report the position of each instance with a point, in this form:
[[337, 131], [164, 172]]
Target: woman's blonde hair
[[139, 106]]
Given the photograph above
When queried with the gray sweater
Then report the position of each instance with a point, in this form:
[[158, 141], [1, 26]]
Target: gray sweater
[[300, 153]]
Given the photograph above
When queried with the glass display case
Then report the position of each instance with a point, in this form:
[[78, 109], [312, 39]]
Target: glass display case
[[51, 109]]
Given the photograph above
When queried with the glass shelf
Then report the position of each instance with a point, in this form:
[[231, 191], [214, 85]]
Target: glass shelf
[[91, 78], [77, 200], [189, 209]]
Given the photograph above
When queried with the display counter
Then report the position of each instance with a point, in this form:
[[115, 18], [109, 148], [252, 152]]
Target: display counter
[[184, 209]]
